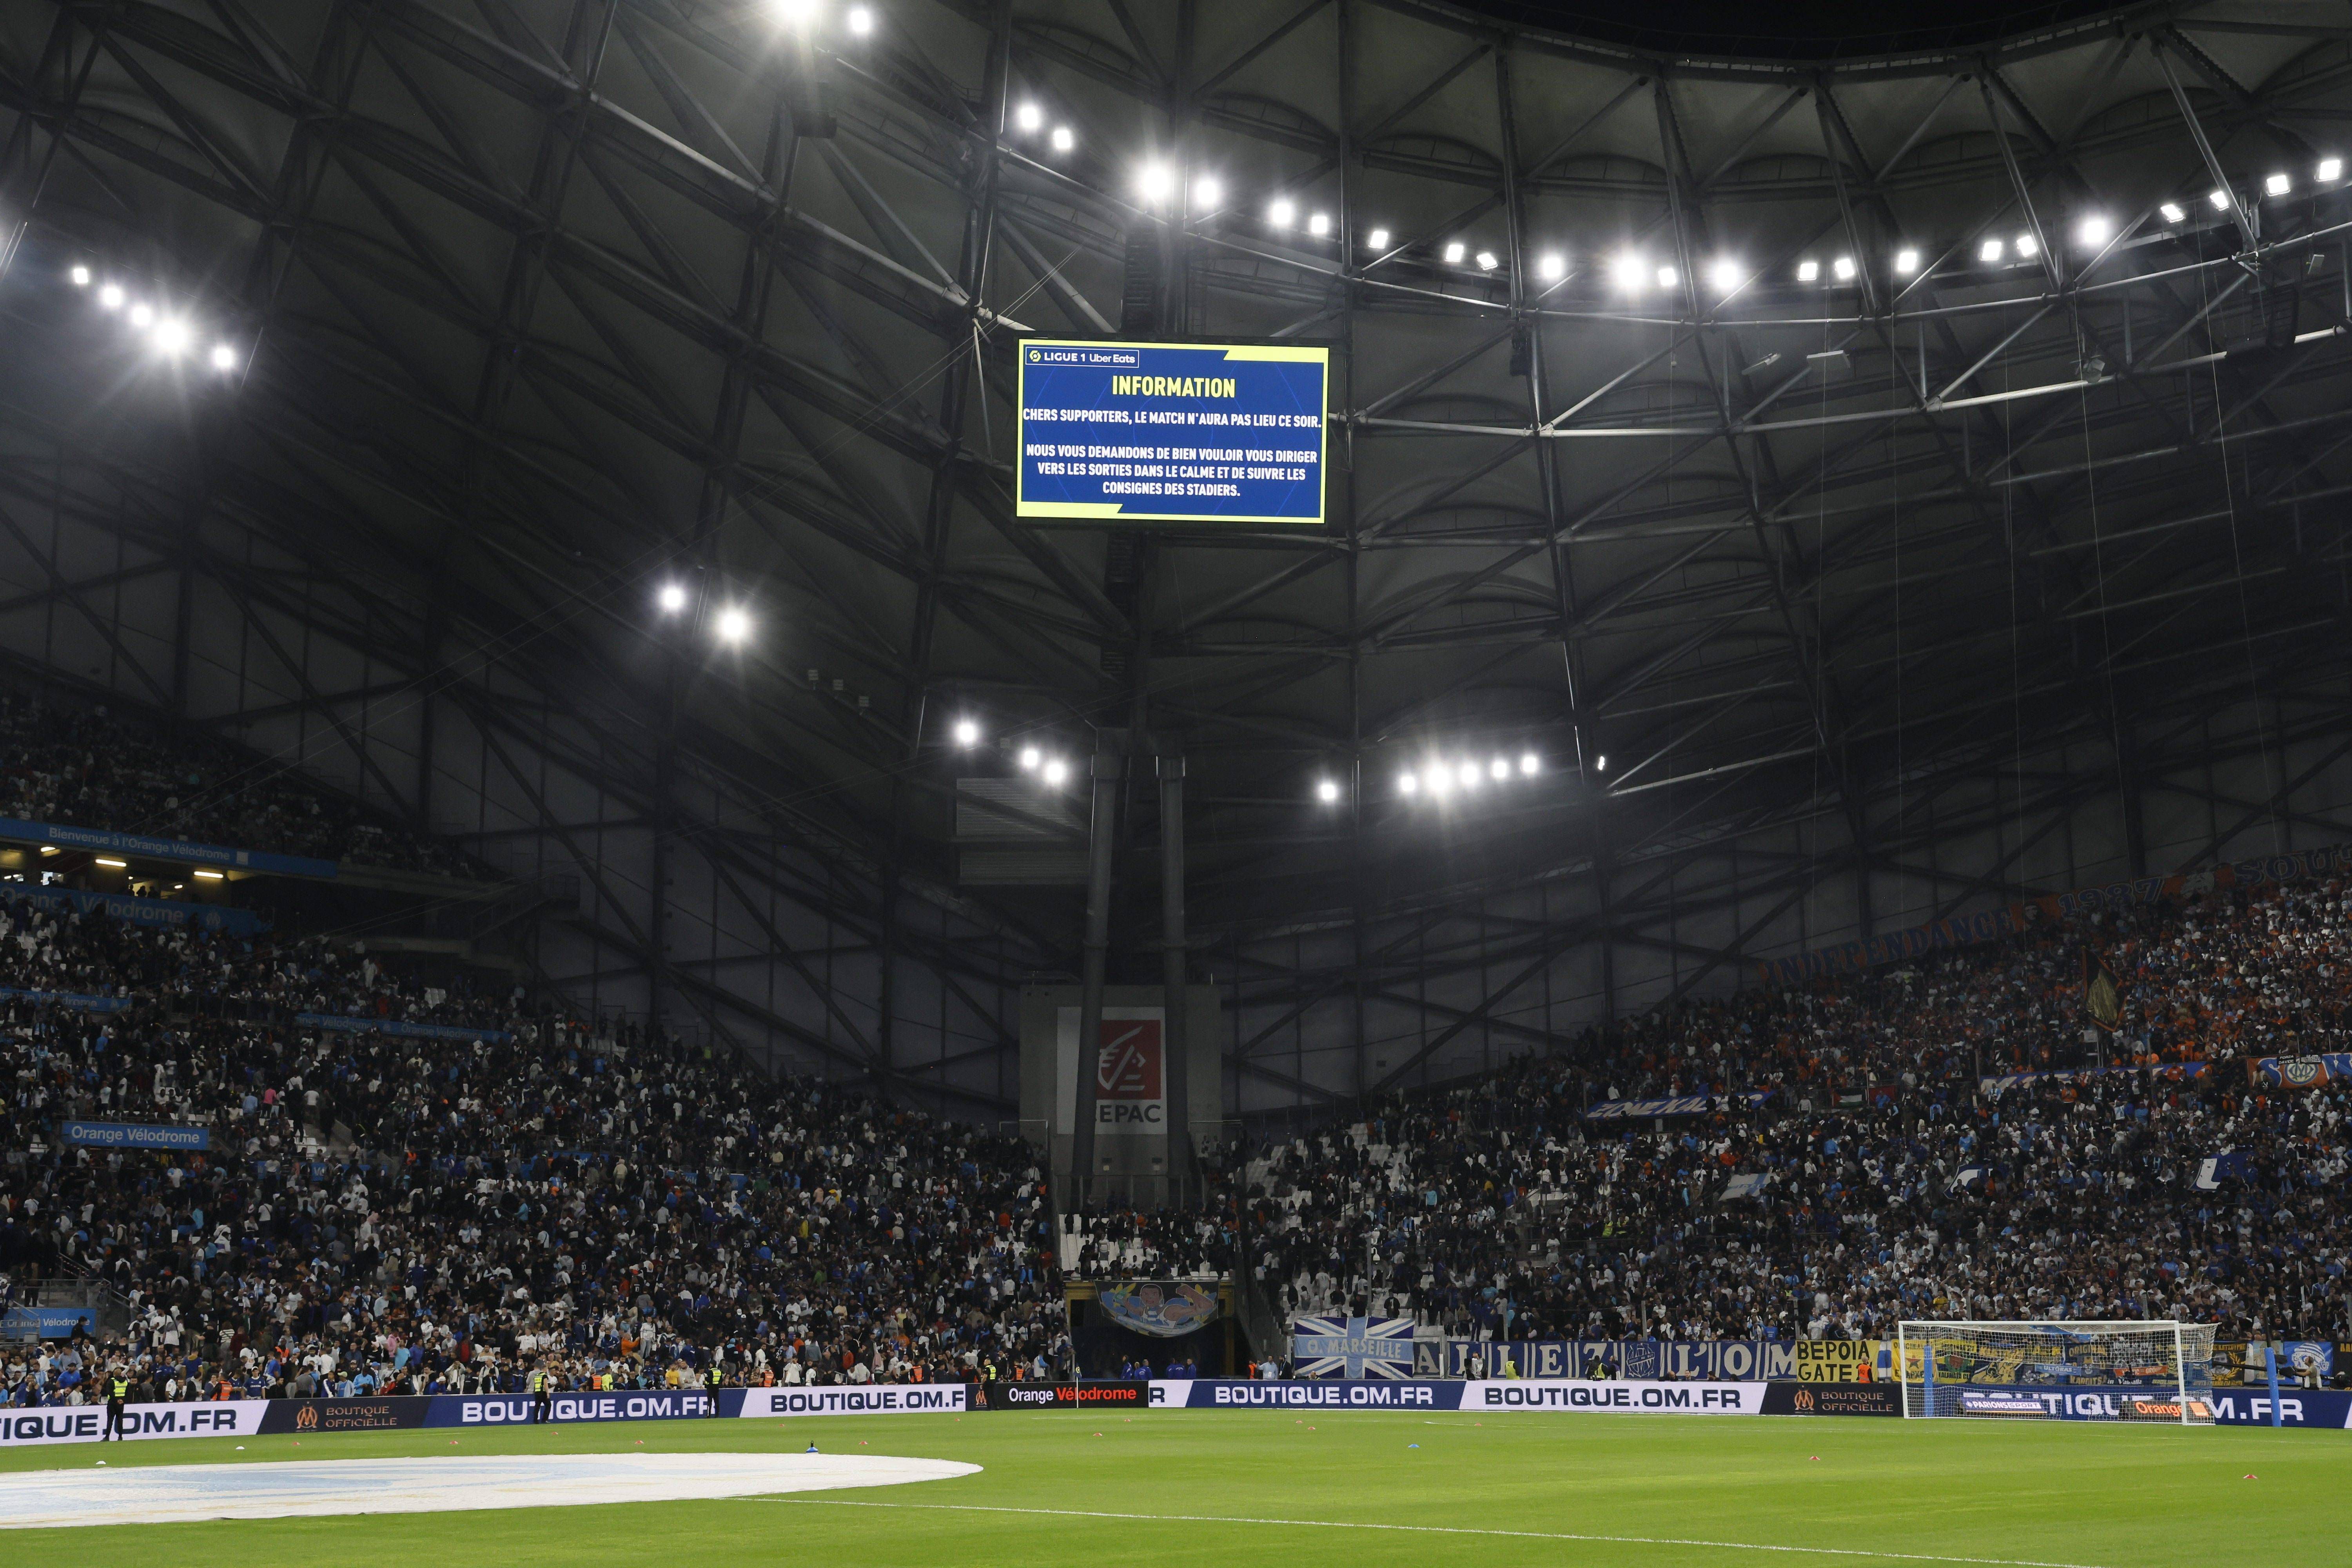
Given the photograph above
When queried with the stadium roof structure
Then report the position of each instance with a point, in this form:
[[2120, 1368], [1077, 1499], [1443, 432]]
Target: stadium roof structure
[[1871, 482]]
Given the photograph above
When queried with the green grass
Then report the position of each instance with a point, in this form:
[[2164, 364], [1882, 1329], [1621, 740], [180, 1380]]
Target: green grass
[[2111, 1497]]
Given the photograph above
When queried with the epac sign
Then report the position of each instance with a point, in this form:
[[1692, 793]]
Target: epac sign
[[1130, 1072]]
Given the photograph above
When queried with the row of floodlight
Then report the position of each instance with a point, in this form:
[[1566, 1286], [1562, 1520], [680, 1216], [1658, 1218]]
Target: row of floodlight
[[731, 624], [1441, 778], [809, 16], [1157, 183], [168, 333]]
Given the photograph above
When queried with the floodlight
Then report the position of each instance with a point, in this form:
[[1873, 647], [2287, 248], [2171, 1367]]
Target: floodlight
[[1601, 763], [1467, 775], [1989, 251], [1282, 213], [794, 13], [1529, 764], [1208, 192], [1487, 262], [1378, 239], [1319, 224], [2219, 198], [967, 732], [172, 337], [1154, 181], [1906, 262], [1063, 139], [1326, 791], [672, 598], [2094, 230], [2028, 245], [1550, 265], [2172, 212], [1407, 783], [1808, 270], [1844, 268], [141, 317], [861, 22], [1028, 117], [1440, 779], [1453, 249], [2278, 184], [733, 624], [1500, 768], [1029, 759], [1627, 272], [2330, 168], [223, 358], [1056, 772], [1668, 277], [79, 277], [1725, 275], [109, 297]]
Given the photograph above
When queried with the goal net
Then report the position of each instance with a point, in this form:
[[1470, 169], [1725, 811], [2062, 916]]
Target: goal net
[[2156, 1371]]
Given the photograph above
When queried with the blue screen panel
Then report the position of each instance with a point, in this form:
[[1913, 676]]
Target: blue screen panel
[[1171, 432]]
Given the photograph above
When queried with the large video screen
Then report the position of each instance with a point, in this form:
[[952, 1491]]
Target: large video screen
[[1171, 432]]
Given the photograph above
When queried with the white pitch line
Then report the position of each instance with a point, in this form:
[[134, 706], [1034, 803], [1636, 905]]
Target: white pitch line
[[1441, 1530]]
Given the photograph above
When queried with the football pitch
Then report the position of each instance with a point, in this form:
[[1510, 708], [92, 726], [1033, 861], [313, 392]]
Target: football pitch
[[1370, 1487]]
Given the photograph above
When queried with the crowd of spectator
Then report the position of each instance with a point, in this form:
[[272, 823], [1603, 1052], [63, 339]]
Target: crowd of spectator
[[86, 767]]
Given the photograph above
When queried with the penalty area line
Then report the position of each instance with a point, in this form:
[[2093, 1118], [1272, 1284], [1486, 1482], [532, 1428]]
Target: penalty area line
[[1438, 1529]]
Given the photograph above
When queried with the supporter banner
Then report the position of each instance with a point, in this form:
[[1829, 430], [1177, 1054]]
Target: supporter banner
[[399, 1028], [181, 849], [2329, 1407], [2172, 1072], [87, 1423], [1352, 1347], [134, 1135], [76, 1000], [1722, 1361], [1629, 1398], [392, 1413], [1240, 1394], [854, 1399], [1164, 1311], [1099, 1395], [2303, 1072], [1832, 1399], [177, 914], [1680, 1105], [1967, 931]]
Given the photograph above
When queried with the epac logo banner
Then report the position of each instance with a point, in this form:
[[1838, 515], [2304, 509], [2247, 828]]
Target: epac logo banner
[[1130, 1072], [87, 1423], [851, 1399], [1630, 1399]]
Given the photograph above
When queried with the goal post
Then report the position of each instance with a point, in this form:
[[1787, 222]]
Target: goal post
[[2154, 1370]]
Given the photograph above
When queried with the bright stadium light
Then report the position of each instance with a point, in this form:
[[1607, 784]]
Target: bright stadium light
[[1282, 212], [172, 337], [1056, 773], [1668, 278], [1407, 784], [967, 732], [1378, 239], [1550, 265], [733, 624], [2330, 170], [1319, 224], [1454, 249], [1029, 759], [1028, 117], [79, 277], [794, 13], [861, 22], [1906, 262], [1326, 791], [1063, 139], [1989, 251], [1500, 768], [2219, 198], [1601, 763], [2094, 230], [1486, 261], [109, 297], [141, 317], [2027, 245], [672, 598], [1627, 271], [1466, 775], [2172, 212], [223, 358], [1208, 193], [1154, 181], [1808, 270], [1844, 268], [1725, 275], [2278, 184], [1529, 764], [1438, 779]]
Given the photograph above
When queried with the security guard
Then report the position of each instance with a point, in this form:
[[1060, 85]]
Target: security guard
[[710, 1384], [542, 1388], [118, 1394]]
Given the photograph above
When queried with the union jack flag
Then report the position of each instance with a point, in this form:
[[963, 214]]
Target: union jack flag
[[1352, 1347]]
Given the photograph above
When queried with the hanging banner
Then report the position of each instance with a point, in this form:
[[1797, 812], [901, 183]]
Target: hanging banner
[[1352, 1347], [134, 1135], [1164, 1311], [173, 914], [398, 1027], [1679, 1105], [2302, 1072], [184, 851]]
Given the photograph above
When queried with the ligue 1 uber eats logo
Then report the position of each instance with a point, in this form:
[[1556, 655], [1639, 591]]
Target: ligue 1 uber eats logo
[[1128, 1074]]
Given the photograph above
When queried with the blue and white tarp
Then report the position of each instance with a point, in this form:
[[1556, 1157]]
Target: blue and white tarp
[[1679, 1105], [1630, 1399], [134, 1135], [2230, 1165], [185, 851], [1352, 1347]]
